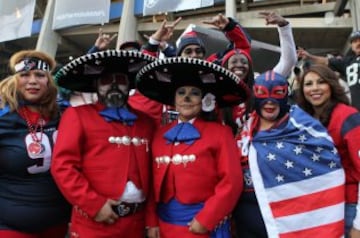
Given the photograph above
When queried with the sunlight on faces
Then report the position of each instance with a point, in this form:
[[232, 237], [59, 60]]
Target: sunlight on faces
[[33, 85], [239, 65], [193, 51], [316, 90], [113, 89], [188, 102]]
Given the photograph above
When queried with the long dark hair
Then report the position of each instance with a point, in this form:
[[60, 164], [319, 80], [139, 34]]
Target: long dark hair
[[338, 94]]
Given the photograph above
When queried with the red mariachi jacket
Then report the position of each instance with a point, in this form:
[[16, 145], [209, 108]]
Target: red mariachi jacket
[[88, 168], [206, 171]]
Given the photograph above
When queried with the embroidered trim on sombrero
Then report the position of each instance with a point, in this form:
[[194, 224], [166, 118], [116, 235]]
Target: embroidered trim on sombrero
[[175, 60], [157, 80]]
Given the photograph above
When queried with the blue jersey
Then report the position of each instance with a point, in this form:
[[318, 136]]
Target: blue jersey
[[29, 198]]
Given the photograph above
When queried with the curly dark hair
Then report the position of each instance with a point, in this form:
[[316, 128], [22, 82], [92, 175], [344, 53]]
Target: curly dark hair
[[338, 94]]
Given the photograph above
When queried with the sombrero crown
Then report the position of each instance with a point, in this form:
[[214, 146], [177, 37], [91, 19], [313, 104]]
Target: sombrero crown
[[159, 80], [80, 73]]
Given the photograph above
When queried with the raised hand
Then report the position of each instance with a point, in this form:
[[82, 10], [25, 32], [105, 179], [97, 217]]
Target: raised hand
[[272, 18], [103, 41], [302, 53], [219, 21], [165, 31]]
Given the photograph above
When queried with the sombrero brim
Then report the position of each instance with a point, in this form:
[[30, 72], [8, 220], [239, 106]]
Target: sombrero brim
[[159, 80], [80, 73]]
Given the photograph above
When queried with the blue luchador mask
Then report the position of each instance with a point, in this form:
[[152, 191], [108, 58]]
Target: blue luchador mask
[[271, 86]]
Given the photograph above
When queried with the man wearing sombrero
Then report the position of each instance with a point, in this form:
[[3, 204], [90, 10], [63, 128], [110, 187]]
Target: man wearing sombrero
[[101, 158], [196, 167]]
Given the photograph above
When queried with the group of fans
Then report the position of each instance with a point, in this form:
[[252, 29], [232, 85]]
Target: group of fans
[[183, 146]]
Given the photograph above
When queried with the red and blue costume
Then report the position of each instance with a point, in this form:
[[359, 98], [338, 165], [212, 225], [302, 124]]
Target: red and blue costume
[[90, 168], [202, 175]]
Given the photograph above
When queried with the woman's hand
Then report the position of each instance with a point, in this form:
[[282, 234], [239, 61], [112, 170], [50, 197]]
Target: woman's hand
[[196, 228], [153, 232]]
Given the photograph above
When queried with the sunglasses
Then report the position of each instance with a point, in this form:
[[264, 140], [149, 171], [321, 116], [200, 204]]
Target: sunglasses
[[114, 78]]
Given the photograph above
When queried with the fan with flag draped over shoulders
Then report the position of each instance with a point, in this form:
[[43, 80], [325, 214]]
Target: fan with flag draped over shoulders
[[297, 177]]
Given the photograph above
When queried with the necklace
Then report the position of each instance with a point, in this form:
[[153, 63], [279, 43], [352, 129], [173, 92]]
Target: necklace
[[35, 147]]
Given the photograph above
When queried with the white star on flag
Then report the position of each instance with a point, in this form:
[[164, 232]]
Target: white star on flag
[[289, 164], [302, 138], [279, 178], [279, 145], [271, 157], [315, 157], [298, 150], [332, 164], [307, 172]]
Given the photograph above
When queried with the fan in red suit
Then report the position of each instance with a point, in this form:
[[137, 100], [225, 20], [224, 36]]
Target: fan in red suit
[[322, 96], [197, 173], [31, 205], [102, 156]]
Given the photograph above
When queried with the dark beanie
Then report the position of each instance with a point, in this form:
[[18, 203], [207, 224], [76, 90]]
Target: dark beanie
[[190, 38]]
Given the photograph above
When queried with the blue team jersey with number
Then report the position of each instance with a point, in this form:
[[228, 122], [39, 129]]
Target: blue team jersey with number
[[29, 198]]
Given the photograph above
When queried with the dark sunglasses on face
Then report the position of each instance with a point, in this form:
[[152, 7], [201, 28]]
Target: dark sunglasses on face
[[114, 78]]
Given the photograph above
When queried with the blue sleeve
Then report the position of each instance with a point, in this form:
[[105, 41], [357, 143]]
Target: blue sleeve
[[93, 49], [169, 51]]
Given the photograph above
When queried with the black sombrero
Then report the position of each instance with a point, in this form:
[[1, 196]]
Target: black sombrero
[[80, 73], [159, 80]]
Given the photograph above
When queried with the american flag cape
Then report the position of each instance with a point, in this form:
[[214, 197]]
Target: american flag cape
[[298, 179]]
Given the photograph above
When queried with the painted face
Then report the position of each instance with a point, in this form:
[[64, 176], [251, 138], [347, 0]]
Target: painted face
[[316, 91], [355, 46], [33, 85], [113, 89], [239, 65], [188, 102], [193, 51], [270, 89]]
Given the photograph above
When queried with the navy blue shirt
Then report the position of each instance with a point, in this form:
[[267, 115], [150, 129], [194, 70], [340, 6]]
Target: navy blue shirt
[[29, 198]]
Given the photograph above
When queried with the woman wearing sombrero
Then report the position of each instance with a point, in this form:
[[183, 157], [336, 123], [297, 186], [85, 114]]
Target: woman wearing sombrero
[[196, 167]]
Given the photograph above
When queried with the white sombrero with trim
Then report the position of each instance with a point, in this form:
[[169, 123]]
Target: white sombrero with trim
[[159, 80], [80, 73]]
